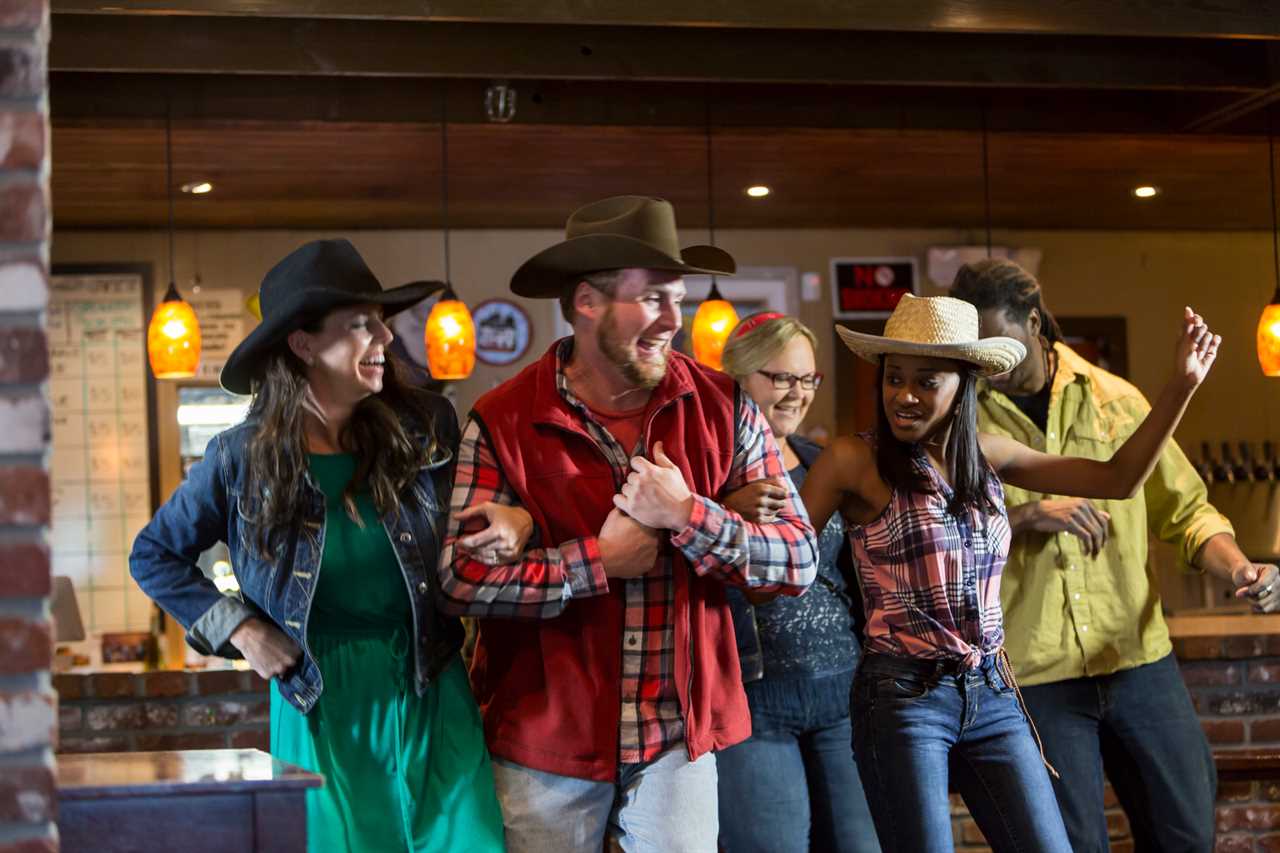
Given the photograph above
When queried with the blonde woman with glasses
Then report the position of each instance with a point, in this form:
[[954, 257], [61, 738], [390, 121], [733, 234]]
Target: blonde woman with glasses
[[793, 786]]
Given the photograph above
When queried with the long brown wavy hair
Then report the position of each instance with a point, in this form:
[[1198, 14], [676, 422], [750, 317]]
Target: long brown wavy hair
[[390, 434]]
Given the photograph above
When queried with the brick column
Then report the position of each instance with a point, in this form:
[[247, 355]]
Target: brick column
[[27, 793]]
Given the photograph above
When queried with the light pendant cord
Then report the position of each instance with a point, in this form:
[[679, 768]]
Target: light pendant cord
[[711, 199], [444, 177], [986, 179], [168, 163], [1275, 223]]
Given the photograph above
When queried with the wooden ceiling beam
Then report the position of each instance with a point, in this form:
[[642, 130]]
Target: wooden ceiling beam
[[1144, 18], [340, 48]]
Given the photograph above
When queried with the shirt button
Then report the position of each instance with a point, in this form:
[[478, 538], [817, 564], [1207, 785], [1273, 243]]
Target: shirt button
[[1075, 596], [1071, 567], [968, 544], [405, 537], [1084, 629], [631, 640], [422, 588], [1051, 435]]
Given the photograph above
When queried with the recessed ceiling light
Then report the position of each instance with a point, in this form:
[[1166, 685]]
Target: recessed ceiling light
[[197, 187], [1146, 191], [758, 191]]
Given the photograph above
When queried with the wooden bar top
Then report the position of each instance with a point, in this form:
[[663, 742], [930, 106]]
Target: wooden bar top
[[131, 774]]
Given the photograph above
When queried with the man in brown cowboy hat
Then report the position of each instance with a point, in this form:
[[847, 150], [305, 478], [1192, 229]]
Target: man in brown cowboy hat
[[606, 667]]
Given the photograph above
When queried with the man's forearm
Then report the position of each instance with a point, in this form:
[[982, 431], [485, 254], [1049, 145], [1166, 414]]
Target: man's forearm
[[1022, 518], [1220, 557]]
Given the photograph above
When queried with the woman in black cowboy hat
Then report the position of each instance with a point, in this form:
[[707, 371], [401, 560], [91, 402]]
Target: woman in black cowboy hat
[[332, 496]]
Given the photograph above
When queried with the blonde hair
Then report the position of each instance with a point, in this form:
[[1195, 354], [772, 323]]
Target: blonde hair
[[748, 352]]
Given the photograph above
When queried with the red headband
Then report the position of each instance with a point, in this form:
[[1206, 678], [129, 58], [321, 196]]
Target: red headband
[[756, 320]]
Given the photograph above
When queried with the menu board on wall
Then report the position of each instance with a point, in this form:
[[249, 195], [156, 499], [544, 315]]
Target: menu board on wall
[[101, 472]]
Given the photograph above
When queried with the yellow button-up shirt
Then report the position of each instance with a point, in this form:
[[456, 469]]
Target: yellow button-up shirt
[[1069, 615]]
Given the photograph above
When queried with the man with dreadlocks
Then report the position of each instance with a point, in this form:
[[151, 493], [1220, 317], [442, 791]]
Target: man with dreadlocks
[[1082, 614]]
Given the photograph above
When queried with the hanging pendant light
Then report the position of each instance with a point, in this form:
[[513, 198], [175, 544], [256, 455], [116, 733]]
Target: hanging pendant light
[[1269, 322], [450, 334], [173, 336], [716, 316]]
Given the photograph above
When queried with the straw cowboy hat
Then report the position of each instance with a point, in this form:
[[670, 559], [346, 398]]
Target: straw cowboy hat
[[311, 281], [937, 327], [626, 231]]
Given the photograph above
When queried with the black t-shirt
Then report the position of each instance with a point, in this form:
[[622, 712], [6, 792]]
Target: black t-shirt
[[1036, 406]]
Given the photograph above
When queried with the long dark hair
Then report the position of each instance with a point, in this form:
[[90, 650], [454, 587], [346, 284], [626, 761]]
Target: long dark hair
[[390, 433], [899, 465]]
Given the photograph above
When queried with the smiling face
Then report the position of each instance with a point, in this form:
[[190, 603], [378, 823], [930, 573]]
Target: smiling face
[[919, 395], [346, 358], [638, 324], [784, 409]]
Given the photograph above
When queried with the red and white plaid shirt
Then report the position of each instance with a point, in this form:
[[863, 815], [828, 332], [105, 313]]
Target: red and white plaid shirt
[[781, 556]]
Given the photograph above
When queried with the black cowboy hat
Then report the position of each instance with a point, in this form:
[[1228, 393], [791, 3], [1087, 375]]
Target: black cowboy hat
[[311, 281], [623, 232]]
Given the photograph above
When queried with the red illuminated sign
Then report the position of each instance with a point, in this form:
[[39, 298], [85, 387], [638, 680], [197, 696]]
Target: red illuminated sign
[[870, 287]]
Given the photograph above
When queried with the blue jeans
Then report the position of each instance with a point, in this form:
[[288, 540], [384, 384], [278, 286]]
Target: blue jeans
[[793, 786], [921, 725], [665, 806], [1139, 725]]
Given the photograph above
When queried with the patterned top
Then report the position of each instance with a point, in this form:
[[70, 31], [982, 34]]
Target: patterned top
[[931, 580], [717, 542]]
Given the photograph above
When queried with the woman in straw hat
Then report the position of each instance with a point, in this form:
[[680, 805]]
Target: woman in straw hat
[[793, 786], [331, 496], [934, 700]]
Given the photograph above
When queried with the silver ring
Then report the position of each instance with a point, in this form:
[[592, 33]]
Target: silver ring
[[1266, 590]]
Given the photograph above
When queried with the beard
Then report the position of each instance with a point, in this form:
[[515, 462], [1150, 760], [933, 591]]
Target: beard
[[644, 373]]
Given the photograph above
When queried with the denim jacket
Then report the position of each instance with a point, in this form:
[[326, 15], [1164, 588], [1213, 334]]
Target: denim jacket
[[750, 652], [210, 506]]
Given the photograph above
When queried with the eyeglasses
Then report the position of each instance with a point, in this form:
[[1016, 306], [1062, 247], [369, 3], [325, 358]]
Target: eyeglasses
[[787, 381]]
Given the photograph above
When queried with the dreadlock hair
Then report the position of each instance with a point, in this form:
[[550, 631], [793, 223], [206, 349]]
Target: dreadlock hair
[[970, 478], [999, 283]]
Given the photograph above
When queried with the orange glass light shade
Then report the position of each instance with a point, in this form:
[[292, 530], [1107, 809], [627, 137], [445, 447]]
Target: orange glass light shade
[[711, 327], [1269, 338], [173, 339], [451, 340]]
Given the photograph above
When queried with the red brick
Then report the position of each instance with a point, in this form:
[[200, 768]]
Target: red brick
[[27, 720], [21, 138], [24, 491], [218, 681], [70, 686], [1197, 648], [1109, 799], [22, 69], [70, 717], [1267, 843], [1223, 731], [24, 354], [957, 805], [181, 740], [23, 213], [1244, 647], [16, 15], [227, 712], [969, 832], [1234, 844], [1264, 671], [24, 570], [1248, 817], [114, 717], [1236, 792], [27, 794], [167, 683], [1212, 673], [1264, 730], [1270, 791], [251, 739], [94, 743], [25, 646], [113, 685], [1122, 846], [1117, 825]]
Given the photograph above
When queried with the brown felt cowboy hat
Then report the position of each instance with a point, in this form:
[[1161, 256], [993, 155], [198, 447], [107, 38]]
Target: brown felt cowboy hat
[[623, 232], [311, 281]]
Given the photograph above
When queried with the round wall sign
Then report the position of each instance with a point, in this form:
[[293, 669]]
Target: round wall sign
[[502, 331]]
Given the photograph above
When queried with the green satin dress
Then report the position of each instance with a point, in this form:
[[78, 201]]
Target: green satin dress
[[402, 772]]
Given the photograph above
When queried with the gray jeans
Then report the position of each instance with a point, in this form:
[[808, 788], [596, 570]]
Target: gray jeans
[[666, 806]]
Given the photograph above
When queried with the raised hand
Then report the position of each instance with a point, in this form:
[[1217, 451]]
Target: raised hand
[[655, 493], [1197, 349]]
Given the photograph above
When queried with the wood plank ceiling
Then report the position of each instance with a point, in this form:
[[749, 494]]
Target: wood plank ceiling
[[339, 127]]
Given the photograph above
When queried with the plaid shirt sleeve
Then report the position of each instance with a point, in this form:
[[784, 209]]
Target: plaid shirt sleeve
[[778, 557], [540, 584]]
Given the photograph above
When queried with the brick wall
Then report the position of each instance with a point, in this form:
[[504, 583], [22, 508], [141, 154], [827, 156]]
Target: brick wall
[[27, 794], [1235, 685], [120, 712]]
